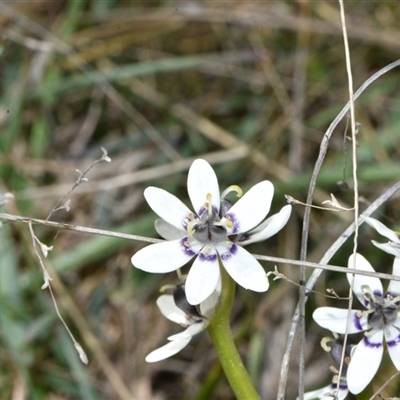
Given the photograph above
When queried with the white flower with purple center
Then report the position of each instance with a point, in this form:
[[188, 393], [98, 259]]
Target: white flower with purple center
[[216, 228], [380, 319], [393, 246], [194, 318]]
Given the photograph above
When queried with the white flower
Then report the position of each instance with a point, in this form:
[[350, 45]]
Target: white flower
[[334, 391], [393, 246], [381, 318], [195, 319], [206, 233]]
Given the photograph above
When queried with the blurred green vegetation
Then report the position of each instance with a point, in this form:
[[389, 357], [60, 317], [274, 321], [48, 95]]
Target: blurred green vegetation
[[249, 86]]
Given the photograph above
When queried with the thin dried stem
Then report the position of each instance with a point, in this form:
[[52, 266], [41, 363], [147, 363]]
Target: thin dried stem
[[355, 180], [81, 178], [90, 339], [318, 266], [47, 285], [77, 228], [377, 393]]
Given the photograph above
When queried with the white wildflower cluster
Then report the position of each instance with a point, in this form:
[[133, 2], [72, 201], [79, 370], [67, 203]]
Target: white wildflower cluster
[[215, 232], [380, 319]]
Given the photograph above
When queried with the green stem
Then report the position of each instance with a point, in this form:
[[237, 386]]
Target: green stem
[[221, 335]]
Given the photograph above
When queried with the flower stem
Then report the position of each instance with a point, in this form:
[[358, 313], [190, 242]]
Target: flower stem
[[221, 335]]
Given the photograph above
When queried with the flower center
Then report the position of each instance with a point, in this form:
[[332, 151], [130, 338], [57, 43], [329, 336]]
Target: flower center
[[209, 227], [383, 309]]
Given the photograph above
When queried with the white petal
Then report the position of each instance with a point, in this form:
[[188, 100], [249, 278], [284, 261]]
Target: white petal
[[365, 361], [201, 182], [361, 263], [342, 394], [243, 267], [317, 394], [192, 330], [168, 308], [335, 319], [392, 337], [397, 322], [167, 350], [394, 286], [382, 229], [207, 307], [167, 206], [327, 393], [168, 231], [268, 228], [251, 209], [165, 256], [390, 247], [203, 276]]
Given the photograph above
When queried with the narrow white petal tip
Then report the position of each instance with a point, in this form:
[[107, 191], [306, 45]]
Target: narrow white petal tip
[[270, 227], [200, 163], [167, 350], [262, 286], [390, 247], [382, 229]]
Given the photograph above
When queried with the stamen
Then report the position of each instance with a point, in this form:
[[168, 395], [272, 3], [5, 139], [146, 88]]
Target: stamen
[[369, 294], [233, 188], [227, 223], [166, 288], [207, 250], [181, 276], [335, 379], [391, 301], [326, 343], [361, 314], [209, 205], [191, 227], [334, 370]]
